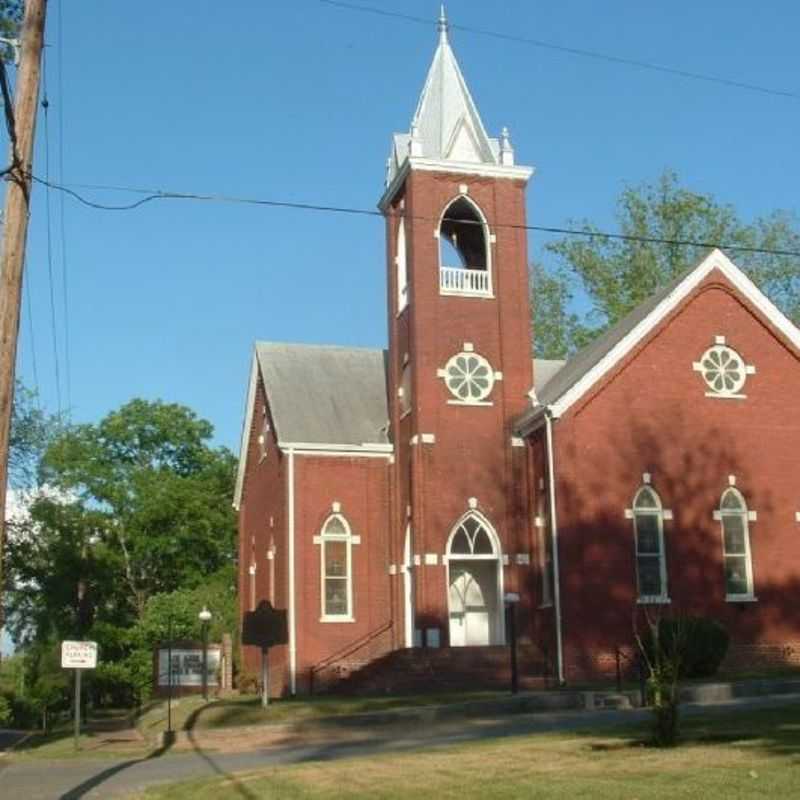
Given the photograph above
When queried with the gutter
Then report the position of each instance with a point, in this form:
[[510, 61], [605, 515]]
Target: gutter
[[551, 479], [292, 614]]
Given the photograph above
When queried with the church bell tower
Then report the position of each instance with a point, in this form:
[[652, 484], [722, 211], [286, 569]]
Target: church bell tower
[[459, 366]]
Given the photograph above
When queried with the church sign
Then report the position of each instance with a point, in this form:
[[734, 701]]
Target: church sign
[[187, 666]]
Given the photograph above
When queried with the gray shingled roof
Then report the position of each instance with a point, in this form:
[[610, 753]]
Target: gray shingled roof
[[325, 394], [579, 364], [544, 370]]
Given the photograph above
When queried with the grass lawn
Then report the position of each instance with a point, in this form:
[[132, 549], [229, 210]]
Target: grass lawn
[[738, 755], [191, 713]]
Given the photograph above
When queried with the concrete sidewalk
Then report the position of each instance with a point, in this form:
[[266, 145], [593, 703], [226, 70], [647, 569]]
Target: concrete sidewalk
[[350, 725], [83, 778]]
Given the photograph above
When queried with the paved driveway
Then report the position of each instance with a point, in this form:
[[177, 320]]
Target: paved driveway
[[10, 738]]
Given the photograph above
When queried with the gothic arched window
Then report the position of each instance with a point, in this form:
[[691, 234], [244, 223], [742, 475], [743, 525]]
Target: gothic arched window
[[651, 561], [472, 539], [336, 565], [734, 516], [402, 268]]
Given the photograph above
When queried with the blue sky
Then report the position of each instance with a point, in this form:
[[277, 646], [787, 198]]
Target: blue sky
[[296, 101]]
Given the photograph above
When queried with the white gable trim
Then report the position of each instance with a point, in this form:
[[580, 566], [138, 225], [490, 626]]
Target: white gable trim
[[367, 450], [715, 260], [248, 421]]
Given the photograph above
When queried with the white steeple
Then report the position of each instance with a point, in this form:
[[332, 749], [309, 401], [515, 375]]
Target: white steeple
[[446, 125]]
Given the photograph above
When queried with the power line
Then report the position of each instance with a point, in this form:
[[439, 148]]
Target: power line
[[29, 309], [575, 51], [51, 281], [62, 225], [157, 194]]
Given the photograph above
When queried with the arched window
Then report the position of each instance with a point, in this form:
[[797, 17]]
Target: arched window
[[472, 539], [542, 523], [651, 562], [336, 565], [402, 268], [464, 255], [734, 516], [405, 389]]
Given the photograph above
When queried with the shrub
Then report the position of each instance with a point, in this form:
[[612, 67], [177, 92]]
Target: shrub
[[702, 644], [6, 714], [247, 682]]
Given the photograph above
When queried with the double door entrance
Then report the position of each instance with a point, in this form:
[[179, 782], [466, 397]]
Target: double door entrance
[[473, 600]]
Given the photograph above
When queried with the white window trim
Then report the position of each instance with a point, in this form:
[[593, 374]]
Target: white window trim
[[747, 516], [661, 515], [401, 265], [467, 352], [263, 436], [349, 540], [724, 394]]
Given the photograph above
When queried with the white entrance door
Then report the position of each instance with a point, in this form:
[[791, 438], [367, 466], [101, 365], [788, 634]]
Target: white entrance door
[[469, 613]]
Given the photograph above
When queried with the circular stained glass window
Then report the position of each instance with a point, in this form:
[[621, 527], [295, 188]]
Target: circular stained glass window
[[723, 369], [469, 377]]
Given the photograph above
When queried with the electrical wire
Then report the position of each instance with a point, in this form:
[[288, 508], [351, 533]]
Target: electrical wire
[[51, 281], [157, 194], [575, 51], [29, 314], [62, 224]]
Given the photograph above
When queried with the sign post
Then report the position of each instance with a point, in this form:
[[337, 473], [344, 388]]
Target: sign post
[[264, 628], [78, 656]]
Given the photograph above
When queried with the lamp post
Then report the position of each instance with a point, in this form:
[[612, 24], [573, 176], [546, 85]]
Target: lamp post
[[205, 617], [511, 600]]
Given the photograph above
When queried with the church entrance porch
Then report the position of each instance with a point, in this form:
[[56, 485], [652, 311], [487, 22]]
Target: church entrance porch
[[474, 585]]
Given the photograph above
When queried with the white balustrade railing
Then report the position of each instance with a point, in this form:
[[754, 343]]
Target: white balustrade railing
[[456, 280]]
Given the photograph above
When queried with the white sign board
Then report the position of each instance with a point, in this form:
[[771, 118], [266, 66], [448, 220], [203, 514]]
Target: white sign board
[[187, 667], [79, 655]]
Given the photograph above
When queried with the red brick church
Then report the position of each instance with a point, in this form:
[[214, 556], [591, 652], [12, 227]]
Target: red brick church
[[391, 501]]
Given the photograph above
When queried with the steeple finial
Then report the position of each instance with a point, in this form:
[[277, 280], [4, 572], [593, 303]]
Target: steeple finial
[[442, 24]]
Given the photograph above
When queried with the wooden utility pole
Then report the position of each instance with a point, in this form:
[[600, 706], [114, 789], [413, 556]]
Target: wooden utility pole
[[15, 233]]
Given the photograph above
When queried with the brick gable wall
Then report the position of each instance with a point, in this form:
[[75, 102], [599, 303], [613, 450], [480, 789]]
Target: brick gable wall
[[651, 415]]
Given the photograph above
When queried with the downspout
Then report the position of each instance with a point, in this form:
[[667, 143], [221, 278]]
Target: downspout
[[551, 479], [292, 615]]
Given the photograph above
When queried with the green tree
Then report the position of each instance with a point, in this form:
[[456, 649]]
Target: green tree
[[62, 569], [157, 494], [10, 20], [557, 330], [616, 275], [31, 429]]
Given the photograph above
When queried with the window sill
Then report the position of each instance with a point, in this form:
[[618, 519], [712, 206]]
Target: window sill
[[542, 606], [470, 403], [337, 619], [719, 396], [653, 601], [465, 293], [741, 598]]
